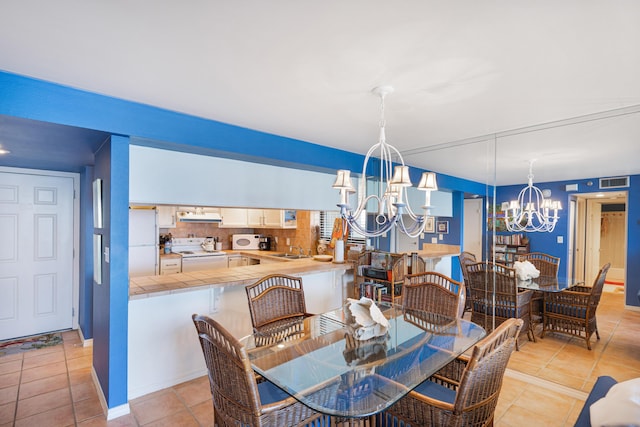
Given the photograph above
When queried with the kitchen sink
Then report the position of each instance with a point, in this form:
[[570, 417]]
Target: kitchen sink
[[290, 256]]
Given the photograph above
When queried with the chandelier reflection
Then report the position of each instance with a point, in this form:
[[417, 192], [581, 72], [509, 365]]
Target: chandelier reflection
[[531, 211], [391, 197]]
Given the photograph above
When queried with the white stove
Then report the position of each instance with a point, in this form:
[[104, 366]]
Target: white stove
[[191, 247], [194, 258]]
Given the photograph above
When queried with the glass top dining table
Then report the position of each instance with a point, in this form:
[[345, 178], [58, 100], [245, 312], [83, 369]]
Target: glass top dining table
[[317, 361], [549, 283]]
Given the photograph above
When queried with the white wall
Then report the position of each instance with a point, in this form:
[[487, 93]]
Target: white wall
[[169, 177]]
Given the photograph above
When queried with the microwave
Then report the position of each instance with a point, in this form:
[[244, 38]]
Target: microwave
[[245, 242]]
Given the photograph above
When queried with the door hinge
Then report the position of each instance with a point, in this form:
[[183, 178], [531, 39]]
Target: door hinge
[[73, 312]]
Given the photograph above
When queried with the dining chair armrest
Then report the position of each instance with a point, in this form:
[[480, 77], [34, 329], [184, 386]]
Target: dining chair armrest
[[426, 400], [580, 289], [568, 298], [278, 405]]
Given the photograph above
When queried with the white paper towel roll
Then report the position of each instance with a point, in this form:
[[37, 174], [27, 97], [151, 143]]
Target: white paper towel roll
[[338, 252]]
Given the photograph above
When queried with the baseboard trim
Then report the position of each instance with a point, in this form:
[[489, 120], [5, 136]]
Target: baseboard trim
[[549, 385], [85, 342], [110, 413]]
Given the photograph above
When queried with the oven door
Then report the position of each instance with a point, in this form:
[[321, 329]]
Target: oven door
[[203, 263]]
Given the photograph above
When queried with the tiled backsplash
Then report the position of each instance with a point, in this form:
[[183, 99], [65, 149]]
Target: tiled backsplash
[[305, 235]]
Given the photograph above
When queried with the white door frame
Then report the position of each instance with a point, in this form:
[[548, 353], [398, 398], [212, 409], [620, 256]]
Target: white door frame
[[76, 229]]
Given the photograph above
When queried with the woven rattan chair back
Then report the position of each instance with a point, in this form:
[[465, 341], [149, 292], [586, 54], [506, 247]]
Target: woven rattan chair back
[[481, 381], [476, 380], [573, 311], [434, 293], [276, 299], [546, 264], [466, 258], [236, 397], [495, 296]]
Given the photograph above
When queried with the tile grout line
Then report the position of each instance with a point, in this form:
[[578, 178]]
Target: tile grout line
[[15, 410], [66, 365]]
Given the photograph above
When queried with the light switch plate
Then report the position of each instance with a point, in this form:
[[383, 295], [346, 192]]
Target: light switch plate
[[434, 240], [560, 239], [440, 236]]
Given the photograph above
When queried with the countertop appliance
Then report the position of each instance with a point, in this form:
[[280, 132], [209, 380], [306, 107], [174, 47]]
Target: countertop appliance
[[194, 257], [245, 242], [143, 243], [265, 243]]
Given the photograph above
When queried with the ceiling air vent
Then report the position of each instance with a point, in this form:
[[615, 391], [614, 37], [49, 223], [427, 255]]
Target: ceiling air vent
[[616, 182]]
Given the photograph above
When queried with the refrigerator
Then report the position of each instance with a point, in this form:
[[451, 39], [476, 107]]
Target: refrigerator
[[143, 243]]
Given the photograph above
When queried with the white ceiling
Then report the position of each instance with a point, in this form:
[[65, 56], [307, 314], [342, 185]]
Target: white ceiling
[[461, 70]]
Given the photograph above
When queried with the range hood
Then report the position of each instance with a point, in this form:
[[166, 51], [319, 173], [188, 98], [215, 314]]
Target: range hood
[[191, 216]]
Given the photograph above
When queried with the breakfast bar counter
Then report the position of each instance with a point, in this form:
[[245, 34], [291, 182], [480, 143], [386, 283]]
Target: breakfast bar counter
[[149, 286]]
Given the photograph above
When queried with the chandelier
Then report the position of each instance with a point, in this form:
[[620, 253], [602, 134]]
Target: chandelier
[[531, 211], [391, 197]]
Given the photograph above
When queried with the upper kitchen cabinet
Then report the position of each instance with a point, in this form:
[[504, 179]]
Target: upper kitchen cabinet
[[167, 216], [257, 218], [265, 218], [233, 218]]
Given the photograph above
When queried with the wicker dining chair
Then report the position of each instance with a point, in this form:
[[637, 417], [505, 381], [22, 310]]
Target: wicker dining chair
[[434, 293], [465, 259], [495, 295], [548, 266], [573, 311], [276, 300], [465, 392], [238, 400]]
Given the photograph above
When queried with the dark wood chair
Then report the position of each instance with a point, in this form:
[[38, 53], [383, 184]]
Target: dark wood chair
[[433, 292], [463, 393], [573, 311], [465, 259], [238, 399], [276, 301], [495, 297]]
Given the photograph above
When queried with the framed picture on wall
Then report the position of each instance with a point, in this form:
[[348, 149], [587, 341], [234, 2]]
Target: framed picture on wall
[[429, 224], [442, 227]]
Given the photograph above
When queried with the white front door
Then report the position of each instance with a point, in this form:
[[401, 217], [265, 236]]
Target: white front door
[[36, 253]]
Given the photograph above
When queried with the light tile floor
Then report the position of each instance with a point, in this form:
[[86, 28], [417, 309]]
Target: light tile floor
[[545, 385]]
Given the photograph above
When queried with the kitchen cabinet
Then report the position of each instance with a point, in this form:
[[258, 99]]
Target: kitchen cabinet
[[257, 218], [166, 216], [170, 265], [233, 218], [265, 218]]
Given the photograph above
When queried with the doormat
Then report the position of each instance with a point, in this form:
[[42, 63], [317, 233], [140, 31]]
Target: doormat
[[23, 344]]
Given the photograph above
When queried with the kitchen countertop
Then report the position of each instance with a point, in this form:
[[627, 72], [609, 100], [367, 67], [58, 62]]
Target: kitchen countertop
[[143, 287]]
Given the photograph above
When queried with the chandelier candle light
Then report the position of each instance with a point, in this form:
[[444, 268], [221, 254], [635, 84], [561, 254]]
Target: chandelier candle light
[[532, 211], [392, 196]]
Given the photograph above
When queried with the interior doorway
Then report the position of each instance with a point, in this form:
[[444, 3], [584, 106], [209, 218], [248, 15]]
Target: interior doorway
[[600, 235]]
